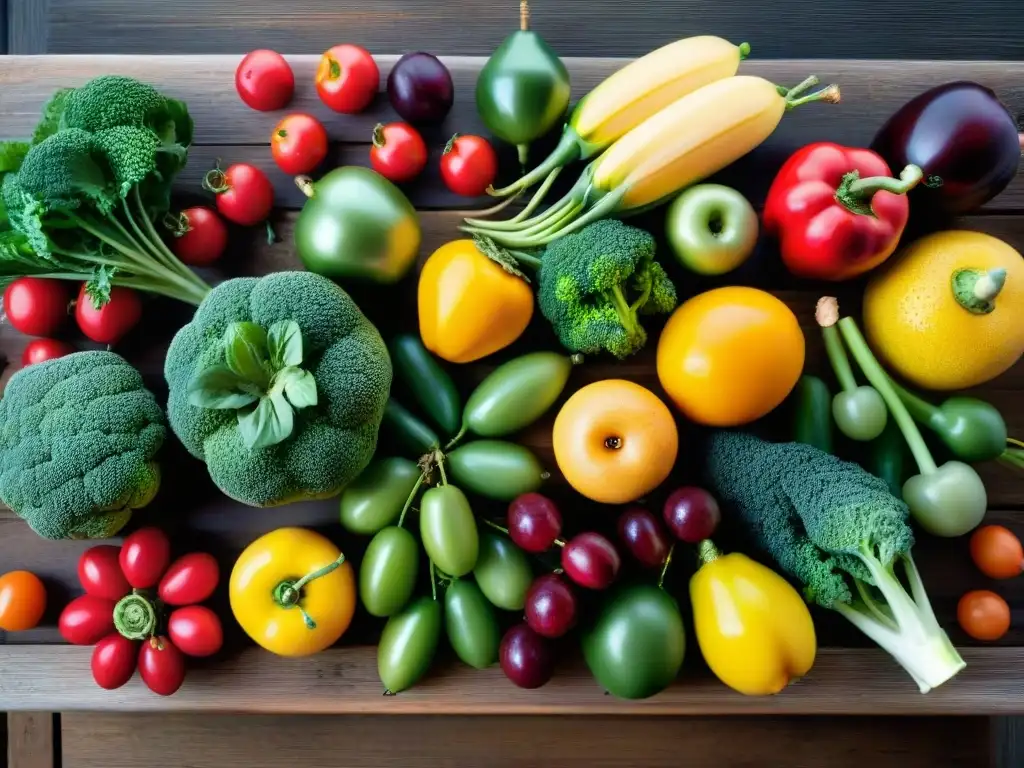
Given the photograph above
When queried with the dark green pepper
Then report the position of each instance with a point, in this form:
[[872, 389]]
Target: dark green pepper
[[495, 469], [523, 89], [427, 382], [812, 413], [409, 432]]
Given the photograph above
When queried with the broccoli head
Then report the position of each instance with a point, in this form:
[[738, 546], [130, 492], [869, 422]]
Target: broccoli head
[[594, 284], [333, 431], [68, 170], [78, 437]]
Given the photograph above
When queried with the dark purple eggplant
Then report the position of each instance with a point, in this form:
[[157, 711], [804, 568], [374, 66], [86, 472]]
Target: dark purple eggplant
[[420, 88], [963, 138]]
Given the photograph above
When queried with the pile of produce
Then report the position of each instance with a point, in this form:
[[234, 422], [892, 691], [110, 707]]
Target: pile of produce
[[453, 532]]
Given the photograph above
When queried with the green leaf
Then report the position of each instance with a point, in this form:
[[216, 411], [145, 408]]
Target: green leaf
[[299, 387], [285, 342], [269, 423], [12, 153], [99, 285], [52, 114], [245, 349], [219, 388]]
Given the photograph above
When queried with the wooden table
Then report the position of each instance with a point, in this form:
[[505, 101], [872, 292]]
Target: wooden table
[[460, 717]]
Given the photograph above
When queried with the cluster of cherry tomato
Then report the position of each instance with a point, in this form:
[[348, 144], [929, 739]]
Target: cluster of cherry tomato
[[347, 80], [997, 552]]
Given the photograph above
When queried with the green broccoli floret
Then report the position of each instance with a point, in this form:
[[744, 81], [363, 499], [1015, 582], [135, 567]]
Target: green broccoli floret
[[594, 284], [78, 440], [333, 439], [840, 532], [67, 171]]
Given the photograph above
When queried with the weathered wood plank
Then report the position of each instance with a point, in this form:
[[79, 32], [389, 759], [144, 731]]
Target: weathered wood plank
[[30, 740], [344, 681], [224, 741], [27, 26]]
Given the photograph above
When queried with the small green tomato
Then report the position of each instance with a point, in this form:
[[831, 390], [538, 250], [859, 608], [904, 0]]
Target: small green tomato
[[712, 229]]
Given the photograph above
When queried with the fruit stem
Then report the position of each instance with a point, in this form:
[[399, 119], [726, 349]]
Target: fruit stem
[[664, 567], [976, 289], [305, 183], [461, 434], [408, 502], [288, 593], [377, 138], [495, 526], [707, 552], [433, 582], [744, 50], [862, 189], [826, 313], [439, 458]]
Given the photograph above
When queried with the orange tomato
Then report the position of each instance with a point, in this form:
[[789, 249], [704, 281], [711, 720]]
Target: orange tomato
[[615, 441], [22, 601], [730, 355], [983, 615], [997, 552]]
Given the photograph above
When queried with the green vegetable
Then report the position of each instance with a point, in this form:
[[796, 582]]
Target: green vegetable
[[471, 625], [408, 431], [331, 440], [81, 203], [711, 228], [374, 499], [887, 458], [496, 469], [387, 574], [636, 646], [408, 643], [523, 89], [812, 413], [503, 572], [78, 440], [595, 284], [356, 224], [429, 384], [448, 530], [837, 530], [859, 411], [517, 393]]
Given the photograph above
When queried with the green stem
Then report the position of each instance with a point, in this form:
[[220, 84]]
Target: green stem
[[440, 467], [866, 188], [528, 259], [707, 552], [433, 581], [829, 94], [627, 316], [880, 381], [287, 594], [665, 565], [837, 356], [920, 410], [461, 434], [495, 526], [567, 151], [976, 289], [135, 616], [412, 495]]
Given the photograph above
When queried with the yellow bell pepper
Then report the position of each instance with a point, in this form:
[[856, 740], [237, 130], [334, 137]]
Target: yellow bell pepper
[[288, 615], [753, 628], [469, 306]]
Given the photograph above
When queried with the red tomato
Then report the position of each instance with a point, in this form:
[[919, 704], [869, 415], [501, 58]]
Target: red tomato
[[244, 193], [200, 237], [41, 350], [113, 661], [86, 620], [190, 579], [347, 78], [100, 573], [144, 557], [113, 320], [398, 152], [196, 630], [264, 80], [36, 306], [161, 665], [468, 165], [299, 144]]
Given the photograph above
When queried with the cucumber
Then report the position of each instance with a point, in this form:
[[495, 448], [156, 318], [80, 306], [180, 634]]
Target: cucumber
[[411, 434], [812, 413], [887, 458], [428, 383]]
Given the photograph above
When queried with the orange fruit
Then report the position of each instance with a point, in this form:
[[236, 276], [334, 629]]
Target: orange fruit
[[22, 601], [615, 441], [983, 615]]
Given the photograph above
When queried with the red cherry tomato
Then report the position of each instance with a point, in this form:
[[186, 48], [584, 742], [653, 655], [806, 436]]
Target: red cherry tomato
[[299, 144], [244, 193], [113, 661], [41, 350], [196, 630], [113, 320], [347, 78], [86, 620], [161, 666], [398, 152], [99, 572], [200, 236], [144, 557], [37, 306], [468, 165], [264, 80], [190, 579]]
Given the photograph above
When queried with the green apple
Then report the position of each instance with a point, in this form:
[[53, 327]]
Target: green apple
[[712, 228]]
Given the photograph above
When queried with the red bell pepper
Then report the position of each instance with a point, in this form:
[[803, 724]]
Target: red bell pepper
[[837, 211]]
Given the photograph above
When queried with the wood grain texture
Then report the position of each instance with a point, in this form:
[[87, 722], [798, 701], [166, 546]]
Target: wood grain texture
[[845, 28], [344, 681], [30, 740], [204, 741], [27, 26], [872, 90]]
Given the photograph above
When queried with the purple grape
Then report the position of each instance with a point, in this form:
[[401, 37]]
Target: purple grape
[[591, 560], [643, 535], [550, 606], [692, 514], [526, 658], [534, 522]]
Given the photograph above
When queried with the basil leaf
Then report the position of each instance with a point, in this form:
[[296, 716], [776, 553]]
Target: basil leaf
[[269, 423], [285, 342], [245, 350], [220, 388], [300, 388]]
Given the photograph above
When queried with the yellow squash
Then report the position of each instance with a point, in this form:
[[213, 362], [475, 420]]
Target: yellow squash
[[469, 305], [754, 630]]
